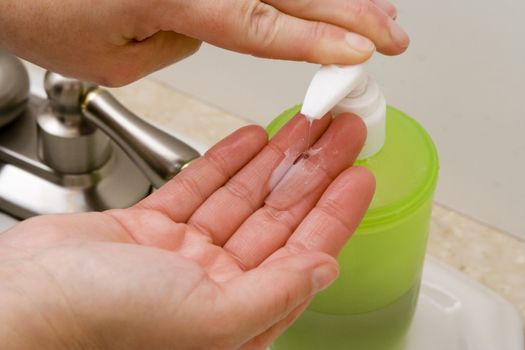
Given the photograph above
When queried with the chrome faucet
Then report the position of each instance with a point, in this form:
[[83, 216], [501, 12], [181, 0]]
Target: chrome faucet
[[77, 150]]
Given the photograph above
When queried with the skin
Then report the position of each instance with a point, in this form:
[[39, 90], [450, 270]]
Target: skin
[[116, 42], [219, 258], [215, 259]]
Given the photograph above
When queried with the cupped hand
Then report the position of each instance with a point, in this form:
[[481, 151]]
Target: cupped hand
[[116, 42], [224, 256]]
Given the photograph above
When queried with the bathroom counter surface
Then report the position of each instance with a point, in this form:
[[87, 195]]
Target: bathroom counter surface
[[491, 257]]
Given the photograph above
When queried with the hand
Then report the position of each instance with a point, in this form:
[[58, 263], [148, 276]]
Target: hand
[[224, 256], [116, 42]]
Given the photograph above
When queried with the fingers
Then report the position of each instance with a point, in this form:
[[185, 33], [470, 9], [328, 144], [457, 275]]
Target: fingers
[[262, 30], [224, 211], [269, 227], [181, 196], [360, 16], [335, 217], [266, 295]]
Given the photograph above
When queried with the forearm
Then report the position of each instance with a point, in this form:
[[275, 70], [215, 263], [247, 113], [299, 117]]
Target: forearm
[[17, 24], [37, 31]]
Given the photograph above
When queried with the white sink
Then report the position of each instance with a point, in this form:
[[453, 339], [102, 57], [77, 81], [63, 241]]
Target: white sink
[[455, 312], [6, 221]]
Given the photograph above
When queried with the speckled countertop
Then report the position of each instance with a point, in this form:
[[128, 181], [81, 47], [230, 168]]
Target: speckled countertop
[[487, 255]]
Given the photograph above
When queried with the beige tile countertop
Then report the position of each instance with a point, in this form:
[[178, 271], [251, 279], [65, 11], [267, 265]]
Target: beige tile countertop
[[487, 255]]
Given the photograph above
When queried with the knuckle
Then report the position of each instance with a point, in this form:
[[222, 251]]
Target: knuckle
[[218, 162], [276, 149], [239, 190], [190, 185], [263, 23], [282, 217], [319, 30], [334, 212], [332, 208], [359, 9], [315, 33]]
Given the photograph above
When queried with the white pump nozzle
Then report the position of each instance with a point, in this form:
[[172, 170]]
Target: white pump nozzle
[[348, 89], [329, 86]]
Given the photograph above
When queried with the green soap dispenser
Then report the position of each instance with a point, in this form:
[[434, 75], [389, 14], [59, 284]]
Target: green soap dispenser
[[371, 304]]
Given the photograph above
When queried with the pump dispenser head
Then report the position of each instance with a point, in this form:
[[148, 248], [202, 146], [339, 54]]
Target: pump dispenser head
[[329, 86], [348, 89]]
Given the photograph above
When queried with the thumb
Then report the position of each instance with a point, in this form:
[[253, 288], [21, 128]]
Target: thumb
[[264, 296]]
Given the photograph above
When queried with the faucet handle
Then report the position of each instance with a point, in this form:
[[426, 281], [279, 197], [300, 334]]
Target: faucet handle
[[159, 155]]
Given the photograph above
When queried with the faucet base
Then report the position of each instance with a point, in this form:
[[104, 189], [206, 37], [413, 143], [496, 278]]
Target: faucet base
[[24, 194], [29, 187]]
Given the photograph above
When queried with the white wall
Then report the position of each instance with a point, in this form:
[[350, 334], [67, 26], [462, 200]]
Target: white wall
[[463, 78]]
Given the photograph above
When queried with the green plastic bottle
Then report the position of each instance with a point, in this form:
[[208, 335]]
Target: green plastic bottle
[[371, 305]]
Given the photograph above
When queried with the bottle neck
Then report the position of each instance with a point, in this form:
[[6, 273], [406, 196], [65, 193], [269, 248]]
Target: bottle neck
[[368, 102]]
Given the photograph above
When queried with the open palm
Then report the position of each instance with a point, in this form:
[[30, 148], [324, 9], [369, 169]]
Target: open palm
[[226, 255]]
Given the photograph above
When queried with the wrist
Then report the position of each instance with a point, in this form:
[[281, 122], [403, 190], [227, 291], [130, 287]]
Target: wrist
[[31, 311]]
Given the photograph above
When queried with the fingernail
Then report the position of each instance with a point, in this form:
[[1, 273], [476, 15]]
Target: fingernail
[[323, 276], [359, 43], [398, 35]]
